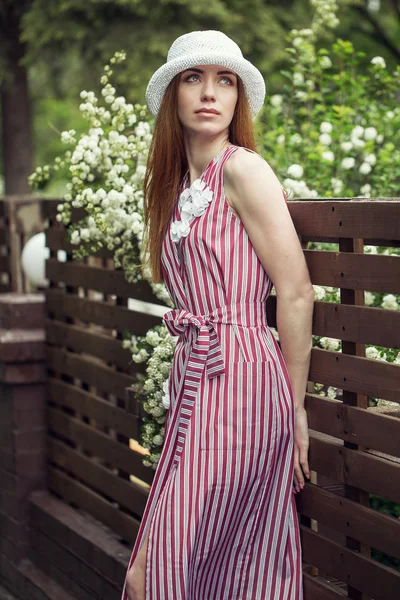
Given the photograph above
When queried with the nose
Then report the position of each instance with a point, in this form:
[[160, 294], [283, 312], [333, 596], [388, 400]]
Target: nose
[[208, 90]]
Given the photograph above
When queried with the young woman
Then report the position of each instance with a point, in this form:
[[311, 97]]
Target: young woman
[[220, 522]]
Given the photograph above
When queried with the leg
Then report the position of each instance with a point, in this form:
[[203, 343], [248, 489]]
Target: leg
[[136, 577]]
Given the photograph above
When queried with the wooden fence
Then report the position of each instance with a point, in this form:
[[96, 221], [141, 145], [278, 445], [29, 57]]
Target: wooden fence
[[95, 462]]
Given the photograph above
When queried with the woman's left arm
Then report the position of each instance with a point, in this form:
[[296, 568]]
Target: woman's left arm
[[255, 194]]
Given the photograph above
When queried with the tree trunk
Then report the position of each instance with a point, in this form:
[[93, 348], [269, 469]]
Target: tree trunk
[[16, 117]]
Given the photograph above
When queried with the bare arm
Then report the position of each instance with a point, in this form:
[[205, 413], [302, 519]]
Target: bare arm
[[255, 194]]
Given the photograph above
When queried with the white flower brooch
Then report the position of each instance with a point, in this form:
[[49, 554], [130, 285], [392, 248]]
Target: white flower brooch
[[193, 203]]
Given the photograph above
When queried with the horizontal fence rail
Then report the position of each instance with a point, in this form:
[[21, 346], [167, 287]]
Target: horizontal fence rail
[[94, 418]]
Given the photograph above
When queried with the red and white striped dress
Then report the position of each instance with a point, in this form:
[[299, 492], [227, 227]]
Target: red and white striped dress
[[221, 510]]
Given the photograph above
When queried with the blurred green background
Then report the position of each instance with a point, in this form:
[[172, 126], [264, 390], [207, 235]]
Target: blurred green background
[[53, 50]]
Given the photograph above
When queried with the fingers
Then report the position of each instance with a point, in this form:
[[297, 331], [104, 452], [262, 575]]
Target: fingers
[[304, 461], [301, 468]]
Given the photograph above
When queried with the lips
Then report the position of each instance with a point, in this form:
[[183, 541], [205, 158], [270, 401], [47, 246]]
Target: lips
[[208, 111]]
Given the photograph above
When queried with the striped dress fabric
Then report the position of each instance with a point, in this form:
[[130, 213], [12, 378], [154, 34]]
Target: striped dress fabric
[[221, 512]]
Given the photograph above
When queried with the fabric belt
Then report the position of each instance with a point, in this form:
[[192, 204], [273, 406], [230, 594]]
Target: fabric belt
[[206, 350]]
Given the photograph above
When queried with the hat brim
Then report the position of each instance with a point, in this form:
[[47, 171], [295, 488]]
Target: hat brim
[[253, 81]]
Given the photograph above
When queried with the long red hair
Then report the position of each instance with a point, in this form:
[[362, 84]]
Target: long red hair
[[167, 165]]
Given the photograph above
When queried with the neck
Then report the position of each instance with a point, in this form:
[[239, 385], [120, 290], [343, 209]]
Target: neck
[[199, 152]]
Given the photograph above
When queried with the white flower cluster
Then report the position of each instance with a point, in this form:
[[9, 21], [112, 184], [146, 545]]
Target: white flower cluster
[[106, 169], [324, 18], [390, 302], [157, 348], [330, 343], [355, 143], [276, 100], [379, 62], [319, 292], [325, 15], [297, 187], [192, 203]]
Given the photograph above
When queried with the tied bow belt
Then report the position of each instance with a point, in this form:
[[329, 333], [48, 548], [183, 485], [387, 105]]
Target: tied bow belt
[[206, 350]]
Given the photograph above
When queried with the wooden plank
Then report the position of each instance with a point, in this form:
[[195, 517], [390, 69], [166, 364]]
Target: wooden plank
[[83, 537], [355, 374], [49, 207], [338, 269], [335, 240], [353, 424], [371, 272], [362, 573], [315, 589], [90, 405], [102, 480], [108, 281], [81, 579], [356, 323], [351, 518], [362, 324], [354, 297], [101, 313], [354, 467], [88, 371], [93, 440], [324, 217], [351, 218], [81, 339], [73, 491], [2, 208]]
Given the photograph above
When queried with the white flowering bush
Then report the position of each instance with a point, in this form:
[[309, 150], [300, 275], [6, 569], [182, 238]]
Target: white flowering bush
[[335, 128], [157, 349], [335, 131], [105, 168]]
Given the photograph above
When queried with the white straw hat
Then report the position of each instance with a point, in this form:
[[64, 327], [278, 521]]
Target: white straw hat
[[206, 48]]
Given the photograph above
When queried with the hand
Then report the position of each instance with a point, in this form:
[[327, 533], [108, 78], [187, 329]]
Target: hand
[[301, 444]]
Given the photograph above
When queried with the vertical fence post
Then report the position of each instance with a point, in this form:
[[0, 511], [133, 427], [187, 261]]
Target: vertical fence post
[[354, 297], [22, 220], [22, 423], [308, 521]]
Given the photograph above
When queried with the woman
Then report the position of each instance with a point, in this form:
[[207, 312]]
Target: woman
[[220, 522]]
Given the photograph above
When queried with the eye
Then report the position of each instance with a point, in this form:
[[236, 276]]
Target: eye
[[190, 76], [228, 80]]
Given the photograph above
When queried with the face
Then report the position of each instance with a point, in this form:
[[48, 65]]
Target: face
[[207, 96]]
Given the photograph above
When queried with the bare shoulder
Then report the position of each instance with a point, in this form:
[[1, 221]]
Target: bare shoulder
[[246, 173], [240, 163]]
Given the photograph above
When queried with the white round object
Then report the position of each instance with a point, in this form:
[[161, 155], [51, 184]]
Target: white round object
[[33, 257]]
